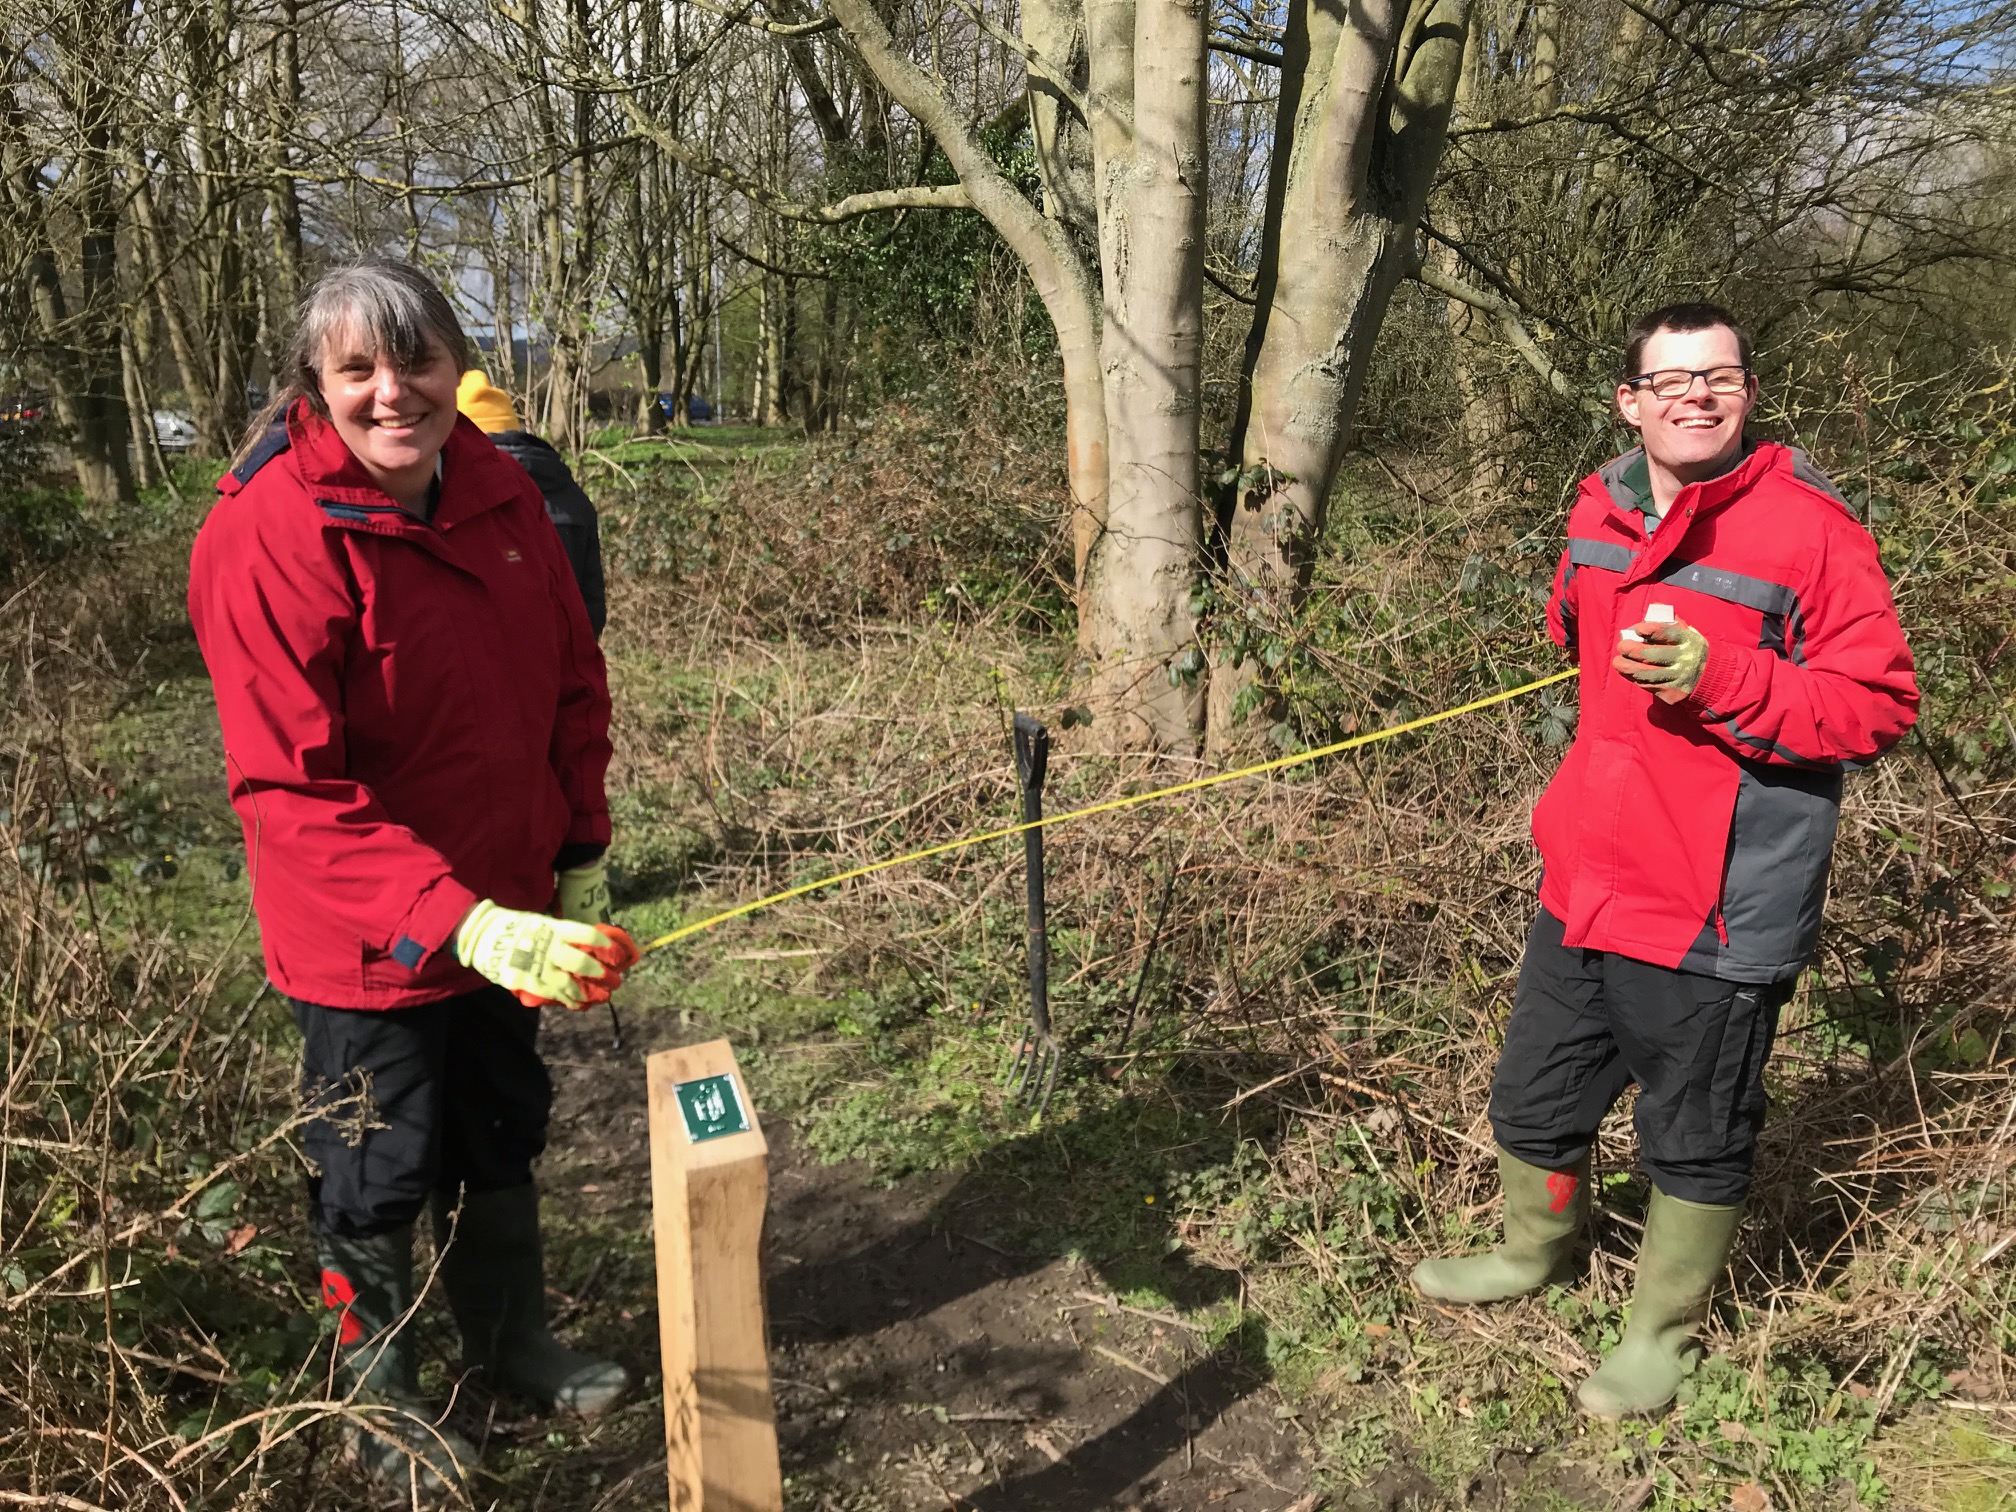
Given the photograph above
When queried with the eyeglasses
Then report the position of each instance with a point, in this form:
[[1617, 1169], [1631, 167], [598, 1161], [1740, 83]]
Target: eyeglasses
[[1673, 383]]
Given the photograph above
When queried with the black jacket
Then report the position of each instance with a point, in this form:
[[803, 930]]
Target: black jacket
[[571, 512]]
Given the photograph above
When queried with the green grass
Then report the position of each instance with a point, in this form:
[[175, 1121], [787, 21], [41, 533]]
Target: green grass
[[882, 1024]]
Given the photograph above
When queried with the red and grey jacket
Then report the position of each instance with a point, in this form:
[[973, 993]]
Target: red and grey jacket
[[1697, 835], [415, 713]]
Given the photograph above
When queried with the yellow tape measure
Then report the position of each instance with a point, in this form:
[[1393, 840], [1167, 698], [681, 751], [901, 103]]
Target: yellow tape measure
[[1279, 764]]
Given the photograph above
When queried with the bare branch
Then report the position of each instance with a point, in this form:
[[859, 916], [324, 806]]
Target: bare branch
[[915, 197], [769, 267], [1039, 67], [1223, 286], [1507, 320], [1238, 47]]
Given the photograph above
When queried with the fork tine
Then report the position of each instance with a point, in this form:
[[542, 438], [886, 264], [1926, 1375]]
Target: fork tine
[[1018, 1068], [1053, 1058]]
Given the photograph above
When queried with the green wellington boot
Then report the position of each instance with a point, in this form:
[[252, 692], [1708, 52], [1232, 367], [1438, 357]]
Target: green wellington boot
[[1544, 1210], [371, 1281], [495, 1276], [1686, 1245]]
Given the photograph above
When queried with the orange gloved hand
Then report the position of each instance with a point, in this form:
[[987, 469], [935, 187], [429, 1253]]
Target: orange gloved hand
[[617, 953], [544, 960]]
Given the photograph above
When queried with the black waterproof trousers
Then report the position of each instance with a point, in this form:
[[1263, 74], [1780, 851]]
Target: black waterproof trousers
[[1587, 1023], [446, 1096]]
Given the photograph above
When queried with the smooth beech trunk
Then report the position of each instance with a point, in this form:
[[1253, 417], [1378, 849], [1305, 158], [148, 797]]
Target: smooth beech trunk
[[1117, 111], [1366, 96], [1147, 119]]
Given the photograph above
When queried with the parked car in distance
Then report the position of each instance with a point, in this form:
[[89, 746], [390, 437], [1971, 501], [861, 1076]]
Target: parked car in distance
[[22, 409], [698, 410], [173, 432]]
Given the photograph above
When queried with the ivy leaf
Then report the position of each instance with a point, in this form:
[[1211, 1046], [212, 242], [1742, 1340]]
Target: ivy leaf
[[219, 1200]]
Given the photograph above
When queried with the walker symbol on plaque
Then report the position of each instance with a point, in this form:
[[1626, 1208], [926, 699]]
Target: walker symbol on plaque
[[711, 1108]]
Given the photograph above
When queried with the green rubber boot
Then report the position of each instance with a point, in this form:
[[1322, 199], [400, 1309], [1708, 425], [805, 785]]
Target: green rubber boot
[[1544, 1211], [394, 1434], [495, 1276], [1686, 1245]]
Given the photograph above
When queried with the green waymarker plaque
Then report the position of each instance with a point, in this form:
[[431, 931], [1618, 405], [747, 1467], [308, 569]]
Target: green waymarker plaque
[[711, 1108]]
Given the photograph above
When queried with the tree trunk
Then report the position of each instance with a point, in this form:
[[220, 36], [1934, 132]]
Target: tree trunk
[[651, 367], [1366, 95], [1147, 120], [283, 194], [771, 383], [149, 466], [1055, 29], [85, 378]]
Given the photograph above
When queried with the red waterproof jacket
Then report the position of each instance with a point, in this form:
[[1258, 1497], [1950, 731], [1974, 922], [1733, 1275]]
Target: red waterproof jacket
[[415, 714], [1697, 835]]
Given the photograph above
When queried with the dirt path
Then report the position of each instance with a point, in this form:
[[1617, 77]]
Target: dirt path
[[919, 1364]]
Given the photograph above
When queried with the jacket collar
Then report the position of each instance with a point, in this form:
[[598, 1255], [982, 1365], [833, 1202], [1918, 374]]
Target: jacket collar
[[1626, 484], [1695, 501], [475, 476]]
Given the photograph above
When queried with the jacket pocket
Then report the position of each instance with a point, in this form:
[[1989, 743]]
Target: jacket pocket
[[1774, 887], [1710, 1096], [1735, 1100]]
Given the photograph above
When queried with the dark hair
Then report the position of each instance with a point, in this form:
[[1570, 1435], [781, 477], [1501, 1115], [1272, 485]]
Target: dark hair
[[397, 309], [1692, 315]]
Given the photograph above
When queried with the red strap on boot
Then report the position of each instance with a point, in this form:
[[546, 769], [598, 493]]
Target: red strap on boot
[[338, 1292], [1562, 1186]]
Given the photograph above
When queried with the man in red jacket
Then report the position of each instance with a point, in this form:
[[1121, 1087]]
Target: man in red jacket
[[1739, 653]]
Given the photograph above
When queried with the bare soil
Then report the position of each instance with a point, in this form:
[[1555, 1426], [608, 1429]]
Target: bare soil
[[920, 1362], [917, 1362]]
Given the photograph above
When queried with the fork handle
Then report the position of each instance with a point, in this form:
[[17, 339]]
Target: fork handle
[[1032, 759]]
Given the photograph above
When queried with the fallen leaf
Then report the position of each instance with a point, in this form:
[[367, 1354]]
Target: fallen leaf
[[1971, 1385], [238, 1238], [1860, 1392], [1378, 1330], [1040, 1441], [1750, 1497], [1735, 1433]]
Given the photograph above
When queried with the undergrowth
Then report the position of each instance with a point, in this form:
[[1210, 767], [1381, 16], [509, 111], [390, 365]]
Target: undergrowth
[[1279, 1001]]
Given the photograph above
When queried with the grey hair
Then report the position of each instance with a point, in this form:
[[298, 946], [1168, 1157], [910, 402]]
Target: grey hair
[[396, 309]]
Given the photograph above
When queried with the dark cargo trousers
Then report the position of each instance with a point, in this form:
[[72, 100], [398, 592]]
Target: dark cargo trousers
[[449, 1096], [1588, 1023]]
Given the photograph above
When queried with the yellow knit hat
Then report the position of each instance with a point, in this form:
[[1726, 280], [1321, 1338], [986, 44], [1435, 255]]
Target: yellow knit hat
[[489, 407]]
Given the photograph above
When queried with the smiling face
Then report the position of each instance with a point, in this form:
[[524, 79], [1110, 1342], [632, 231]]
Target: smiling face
[[1699, 434], [394, 419]]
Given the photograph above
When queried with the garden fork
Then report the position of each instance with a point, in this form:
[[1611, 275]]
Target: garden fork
[[1032, 1076]]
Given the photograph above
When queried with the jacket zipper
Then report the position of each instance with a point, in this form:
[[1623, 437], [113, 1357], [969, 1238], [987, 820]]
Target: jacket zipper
[[1721, 929]]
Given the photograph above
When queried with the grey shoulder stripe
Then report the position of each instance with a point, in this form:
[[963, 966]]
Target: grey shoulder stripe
[[1609, 554], [1760, 594], [1763, 743]]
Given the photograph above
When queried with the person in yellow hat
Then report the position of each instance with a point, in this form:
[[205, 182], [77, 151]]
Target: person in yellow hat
[[570, 509]]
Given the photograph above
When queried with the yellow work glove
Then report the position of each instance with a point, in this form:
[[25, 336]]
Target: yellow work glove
[[583, 895], [543, 959], [1666, 661]]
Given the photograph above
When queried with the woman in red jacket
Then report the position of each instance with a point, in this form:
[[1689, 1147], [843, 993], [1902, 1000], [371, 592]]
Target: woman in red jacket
[[415, 721]]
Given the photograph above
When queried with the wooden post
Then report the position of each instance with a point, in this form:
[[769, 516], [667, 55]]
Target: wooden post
[[709, 1182]]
